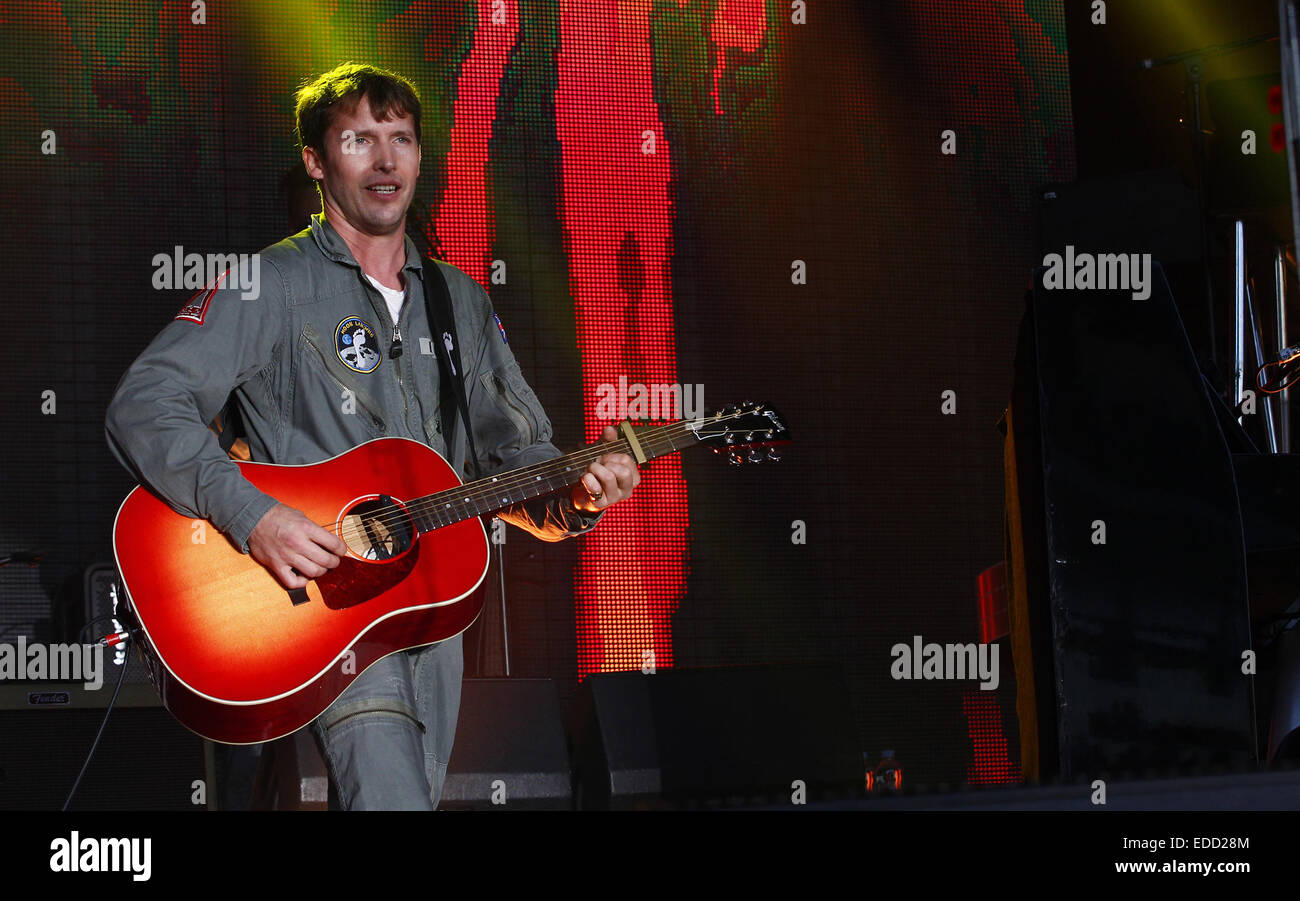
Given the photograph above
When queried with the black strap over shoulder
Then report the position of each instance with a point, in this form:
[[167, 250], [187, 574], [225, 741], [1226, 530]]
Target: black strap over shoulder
[[437, 300]]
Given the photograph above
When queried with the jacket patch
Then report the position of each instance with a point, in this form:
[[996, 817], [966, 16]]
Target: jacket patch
[[197, 306], [357, 344], [501, 328]]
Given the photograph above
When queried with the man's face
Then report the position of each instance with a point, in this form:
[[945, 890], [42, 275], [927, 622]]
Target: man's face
[[369, 169]]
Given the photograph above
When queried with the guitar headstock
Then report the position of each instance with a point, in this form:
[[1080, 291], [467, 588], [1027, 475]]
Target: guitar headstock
[[741, 431]]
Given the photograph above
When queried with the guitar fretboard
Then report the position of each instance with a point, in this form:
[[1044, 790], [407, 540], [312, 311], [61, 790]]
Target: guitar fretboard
[[498, 492]]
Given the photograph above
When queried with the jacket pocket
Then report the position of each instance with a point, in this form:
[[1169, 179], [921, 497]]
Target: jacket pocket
[[368, 412], [516, 401]]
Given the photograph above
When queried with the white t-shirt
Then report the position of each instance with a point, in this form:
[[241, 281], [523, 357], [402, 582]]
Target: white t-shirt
[[393, 297]]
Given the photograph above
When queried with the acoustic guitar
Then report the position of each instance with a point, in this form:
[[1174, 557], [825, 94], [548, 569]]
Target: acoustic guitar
[[237, 658]]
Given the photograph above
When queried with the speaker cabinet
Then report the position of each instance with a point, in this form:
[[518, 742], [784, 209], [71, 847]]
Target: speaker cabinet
[[145, 760], [509, 752], [715, 737], [1127, 551]]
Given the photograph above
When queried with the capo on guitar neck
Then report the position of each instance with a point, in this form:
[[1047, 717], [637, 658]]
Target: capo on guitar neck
[[626, 427]]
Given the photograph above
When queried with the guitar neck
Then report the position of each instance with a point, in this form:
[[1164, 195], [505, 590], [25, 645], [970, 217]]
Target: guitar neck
[[504, 490]]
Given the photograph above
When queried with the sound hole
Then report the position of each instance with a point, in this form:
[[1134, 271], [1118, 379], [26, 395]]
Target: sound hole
[[378, 529]]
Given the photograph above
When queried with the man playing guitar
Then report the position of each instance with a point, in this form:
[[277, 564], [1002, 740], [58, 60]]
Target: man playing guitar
[[329, 355]]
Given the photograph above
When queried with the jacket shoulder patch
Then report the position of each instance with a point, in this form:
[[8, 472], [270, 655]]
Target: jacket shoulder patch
[[196, 308]]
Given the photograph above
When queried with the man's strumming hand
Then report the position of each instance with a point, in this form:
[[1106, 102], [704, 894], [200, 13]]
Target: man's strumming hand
[[293, 547], [608, 480]]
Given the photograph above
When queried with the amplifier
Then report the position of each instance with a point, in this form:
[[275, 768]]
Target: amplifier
[[145, 760]]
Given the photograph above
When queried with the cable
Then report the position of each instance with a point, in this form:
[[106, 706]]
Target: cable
[[113, 700], [1287, 378], [82, 634]]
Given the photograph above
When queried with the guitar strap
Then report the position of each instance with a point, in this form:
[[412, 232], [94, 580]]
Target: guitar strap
[[437, 301]]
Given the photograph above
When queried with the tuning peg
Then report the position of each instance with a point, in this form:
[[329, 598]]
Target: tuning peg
[[773, 454], [756, 456], [731, 437], [749, 436], [735, 459]]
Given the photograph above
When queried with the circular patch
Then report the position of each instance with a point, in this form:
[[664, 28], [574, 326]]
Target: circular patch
[[357, 344]]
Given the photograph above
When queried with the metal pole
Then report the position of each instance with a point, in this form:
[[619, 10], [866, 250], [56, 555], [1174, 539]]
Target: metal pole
[[1239, 317], [1289, 31], [1270, 426], [501, 573], [1279, 295]]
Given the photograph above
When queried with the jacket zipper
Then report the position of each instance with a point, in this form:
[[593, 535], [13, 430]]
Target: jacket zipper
[[393, 353], [394, 348], [519, 415]]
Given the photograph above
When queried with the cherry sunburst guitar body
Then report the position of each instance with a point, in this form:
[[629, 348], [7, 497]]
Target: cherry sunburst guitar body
[[237, 657]]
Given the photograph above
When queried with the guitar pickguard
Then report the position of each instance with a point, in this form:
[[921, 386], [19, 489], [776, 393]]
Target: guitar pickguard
[[380, 533], [354, 582]]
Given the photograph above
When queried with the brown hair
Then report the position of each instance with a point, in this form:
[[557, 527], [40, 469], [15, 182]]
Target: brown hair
[[344, 86]]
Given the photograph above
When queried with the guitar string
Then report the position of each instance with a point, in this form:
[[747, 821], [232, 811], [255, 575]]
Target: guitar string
[[482, 489], [395, 514], [660, 439], [391, 514]]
